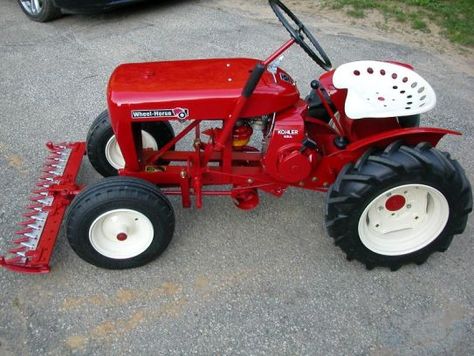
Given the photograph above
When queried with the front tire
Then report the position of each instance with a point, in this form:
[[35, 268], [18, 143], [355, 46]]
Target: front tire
[[119, 223], [398, 206], [104, 152]]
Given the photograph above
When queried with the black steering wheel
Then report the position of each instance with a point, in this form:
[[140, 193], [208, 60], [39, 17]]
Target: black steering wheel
[[298, 31]]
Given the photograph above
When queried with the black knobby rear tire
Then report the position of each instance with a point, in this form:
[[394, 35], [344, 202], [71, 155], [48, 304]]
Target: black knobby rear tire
[[47, 13], [116, 195], [375, 173], [101, 132]]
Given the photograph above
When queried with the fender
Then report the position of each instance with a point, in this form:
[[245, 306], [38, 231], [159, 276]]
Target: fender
[[410, 136], [330, 166]]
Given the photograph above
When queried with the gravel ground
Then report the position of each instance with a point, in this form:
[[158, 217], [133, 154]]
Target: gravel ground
[[267, 281]]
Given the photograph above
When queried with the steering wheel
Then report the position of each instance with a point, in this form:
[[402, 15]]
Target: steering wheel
[[298, 31]]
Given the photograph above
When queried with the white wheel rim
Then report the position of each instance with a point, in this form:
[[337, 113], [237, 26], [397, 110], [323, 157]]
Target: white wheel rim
[[114, 156], [121, 233], [421, 217]]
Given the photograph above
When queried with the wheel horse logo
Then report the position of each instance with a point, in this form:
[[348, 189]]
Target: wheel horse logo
[[179, 113]]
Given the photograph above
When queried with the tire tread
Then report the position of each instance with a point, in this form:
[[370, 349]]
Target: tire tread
[[397, 164], [118, 190]]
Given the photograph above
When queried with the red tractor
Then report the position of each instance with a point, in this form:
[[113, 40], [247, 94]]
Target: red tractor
[[392, 197]]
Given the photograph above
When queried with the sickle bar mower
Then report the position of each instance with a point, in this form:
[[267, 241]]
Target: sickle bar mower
[[55, 189]]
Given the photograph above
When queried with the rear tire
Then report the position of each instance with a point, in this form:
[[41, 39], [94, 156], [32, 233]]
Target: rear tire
[[105, 154], [398, 206], [119, 223]]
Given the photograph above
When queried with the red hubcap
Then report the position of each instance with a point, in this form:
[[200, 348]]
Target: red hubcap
[[122, 236], [395, 202]]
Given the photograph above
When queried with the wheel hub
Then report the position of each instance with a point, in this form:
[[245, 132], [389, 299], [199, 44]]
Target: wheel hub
[[121, 233], [122, 236], [114, 155], [395, 202], [403, 219]]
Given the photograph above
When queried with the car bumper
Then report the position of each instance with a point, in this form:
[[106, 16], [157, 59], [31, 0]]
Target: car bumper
[[85, 6]]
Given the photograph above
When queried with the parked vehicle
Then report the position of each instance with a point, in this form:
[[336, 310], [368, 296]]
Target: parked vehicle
[[47, 10], [392, 197]]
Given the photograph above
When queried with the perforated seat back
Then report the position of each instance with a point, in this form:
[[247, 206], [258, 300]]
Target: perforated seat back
[[380, 89]]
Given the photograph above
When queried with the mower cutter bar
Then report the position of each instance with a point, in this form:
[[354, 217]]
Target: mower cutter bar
[[55, 189]]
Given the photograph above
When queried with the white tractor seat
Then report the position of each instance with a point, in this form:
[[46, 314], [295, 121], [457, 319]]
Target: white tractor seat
[[381, 89]]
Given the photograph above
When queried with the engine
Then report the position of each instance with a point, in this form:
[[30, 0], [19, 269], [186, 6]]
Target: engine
[[290, 155]]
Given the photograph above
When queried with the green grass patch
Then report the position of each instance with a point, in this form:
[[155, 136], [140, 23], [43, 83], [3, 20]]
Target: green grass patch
[[357, 13], [455, 17]]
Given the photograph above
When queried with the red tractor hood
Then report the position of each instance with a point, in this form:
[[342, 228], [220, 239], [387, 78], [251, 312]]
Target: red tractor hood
[[194, 89]]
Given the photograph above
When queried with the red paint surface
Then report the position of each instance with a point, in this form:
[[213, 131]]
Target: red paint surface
[[122, 236], [395, 202], [208, 88]]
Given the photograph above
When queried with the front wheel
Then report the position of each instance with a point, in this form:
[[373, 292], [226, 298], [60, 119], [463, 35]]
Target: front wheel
[[120, 223], [398, 206], [104, 152]]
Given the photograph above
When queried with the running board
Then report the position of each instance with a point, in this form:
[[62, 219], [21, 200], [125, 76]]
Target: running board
[[55, 190]]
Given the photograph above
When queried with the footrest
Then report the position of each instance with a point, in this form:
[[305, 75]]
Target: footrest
[[55, 190]]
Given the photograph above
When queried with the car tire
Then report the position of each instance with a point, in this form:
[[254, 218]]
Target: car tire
[[40, 10], [398, 206]]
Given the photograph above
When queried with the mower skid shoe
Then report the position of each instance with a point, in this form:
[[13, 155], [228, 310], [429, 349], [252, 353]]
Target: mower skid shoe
[[54, 191]]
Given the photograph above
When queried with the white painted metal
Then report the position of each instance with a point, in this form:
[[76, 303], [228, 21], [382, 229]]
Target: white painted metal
[[381, 89], [414, 226], [114, 154], [104, 230]]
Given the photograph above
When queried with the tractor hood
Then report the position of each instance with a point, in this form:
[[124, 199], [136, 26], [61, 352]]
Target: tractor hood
[[194, 89]]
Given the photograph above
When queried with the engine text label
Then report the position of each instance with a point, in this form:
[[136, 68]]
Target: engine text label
[[287, 133]]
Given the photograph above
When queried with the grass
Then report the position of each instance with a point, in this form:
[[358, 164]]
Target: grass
[[455, 17]]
